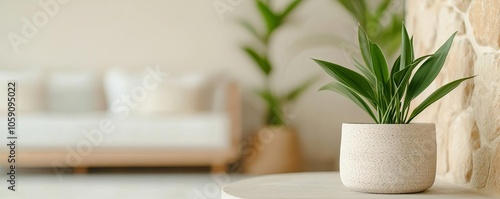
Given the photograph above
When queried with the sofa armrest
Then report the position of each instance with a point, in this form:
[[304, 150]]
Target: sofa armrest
[[227, 98]]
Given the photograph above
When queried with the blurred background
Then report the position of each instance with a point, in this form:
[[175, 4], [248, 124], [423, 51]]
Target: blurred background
[[177, 98], [171, 91]]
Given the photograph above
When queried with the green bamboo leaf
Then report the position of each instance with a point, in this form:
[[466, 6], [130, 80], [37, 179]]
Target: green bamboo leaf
[[366, 71], [364, 46], [262, 62], [395, 67], [429, 70], [357, 9], [290, 8], [383, 98], [297, 91], [406, 49], [374, 88], [393, 111], [272, 20], [412, 49], [402, 77], [274, 114], [392, 83], [379, 64], [382, 8], [275, 117], [345, 91], [348, 77], [268, 97], [408, 70], [250, 28], [436, 95]]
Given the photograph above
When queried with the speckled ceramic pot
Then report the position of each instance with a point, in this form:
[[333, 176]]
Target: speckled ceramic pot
[[388, 158]]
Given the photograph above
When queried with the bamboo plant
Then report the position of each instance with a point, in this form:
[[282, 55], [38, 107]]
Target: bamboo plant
[[386, 93], [273, 20], [386, 34]]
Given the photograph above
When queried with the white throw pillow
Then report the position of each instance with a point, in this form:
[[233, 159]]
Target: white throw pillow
[[177, 94], [183, 93], [74, 91], [30, 92]]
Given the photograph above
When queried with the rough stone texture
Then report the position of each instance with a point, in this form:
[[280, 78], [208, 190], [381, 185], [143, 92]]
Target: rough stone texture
[[481, 169], [495, 171], [484, 22], [486, 98], [468, 119], [460, 141], [462, 5], [462, 53], [450, 21]]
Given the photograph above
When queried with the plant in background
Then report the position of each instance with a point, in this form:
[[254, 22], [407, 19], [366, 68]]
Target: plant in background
[[386, 94], [273, 20], [381, 24]]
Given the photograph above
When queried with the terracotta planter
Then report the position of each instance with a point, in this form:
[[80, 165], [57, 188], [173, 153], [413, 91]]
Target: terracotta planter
[[388, 158], [273, 150]]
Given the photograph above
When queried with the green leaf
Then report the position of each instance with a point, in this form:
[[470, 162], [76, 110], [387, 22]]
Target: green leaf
[[297, 91], [366, 71], [429, 70], [395, 66], [379, 64], [250, 28], [382, 8], [268, 97], [274, 113], [393, 110], [272, 20], [351, 79], [290, 8], [402, 77], [262, 62], [383, 98], [364, 46], [275, 117], [408, 70], [436, 95], [388, 95], [406, 49], [412, 50], [356, 8], [345, 91]]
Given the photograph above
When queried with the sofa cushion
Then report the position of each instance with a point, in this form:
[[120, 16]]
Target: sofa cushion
[[74, 91], [181, 93], [30, 93], [57, 130]]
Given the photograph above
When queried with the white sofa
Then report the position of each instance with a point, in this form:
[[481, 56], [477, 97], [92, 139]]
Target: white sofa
[[187, 120]]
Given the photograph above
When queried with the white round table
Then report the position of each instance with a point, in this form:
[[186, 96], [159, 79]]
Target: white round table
[[326, 185]]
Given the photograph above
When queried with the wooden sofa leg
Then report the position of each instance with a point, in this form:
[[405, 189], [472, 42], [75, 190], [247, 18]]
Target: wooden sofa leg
[[219, 168], [80, 170]]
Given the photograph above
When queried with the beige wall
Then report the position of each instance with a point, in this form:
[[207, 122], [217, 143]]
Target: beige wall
[[468, 120], [188, 35]]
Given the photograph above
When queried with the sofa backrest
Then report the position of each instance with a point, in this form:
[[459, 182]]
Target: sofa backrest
[[75, 91], [142, 93]]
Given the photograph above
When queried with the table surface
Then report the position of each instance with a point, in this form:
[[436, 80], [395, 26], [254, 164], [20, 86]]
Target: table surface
[[327, 185]]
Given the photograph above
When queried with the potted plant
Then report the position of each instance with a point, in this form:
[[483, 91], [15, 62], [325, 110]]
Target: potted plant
[[274, 148], [393, 155]]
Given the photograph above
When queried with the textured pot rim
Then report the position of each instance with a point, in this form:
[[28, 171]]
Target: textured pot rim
[[348, 123]]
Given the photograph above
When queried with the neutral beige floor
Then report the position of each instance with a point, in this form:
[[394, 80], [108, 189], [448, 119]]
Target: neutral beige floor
[[99, 184]]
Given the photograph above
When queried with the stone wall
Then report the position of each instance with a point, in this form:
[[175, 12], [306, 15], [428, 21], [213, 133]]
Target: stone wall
[[468, 119]]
